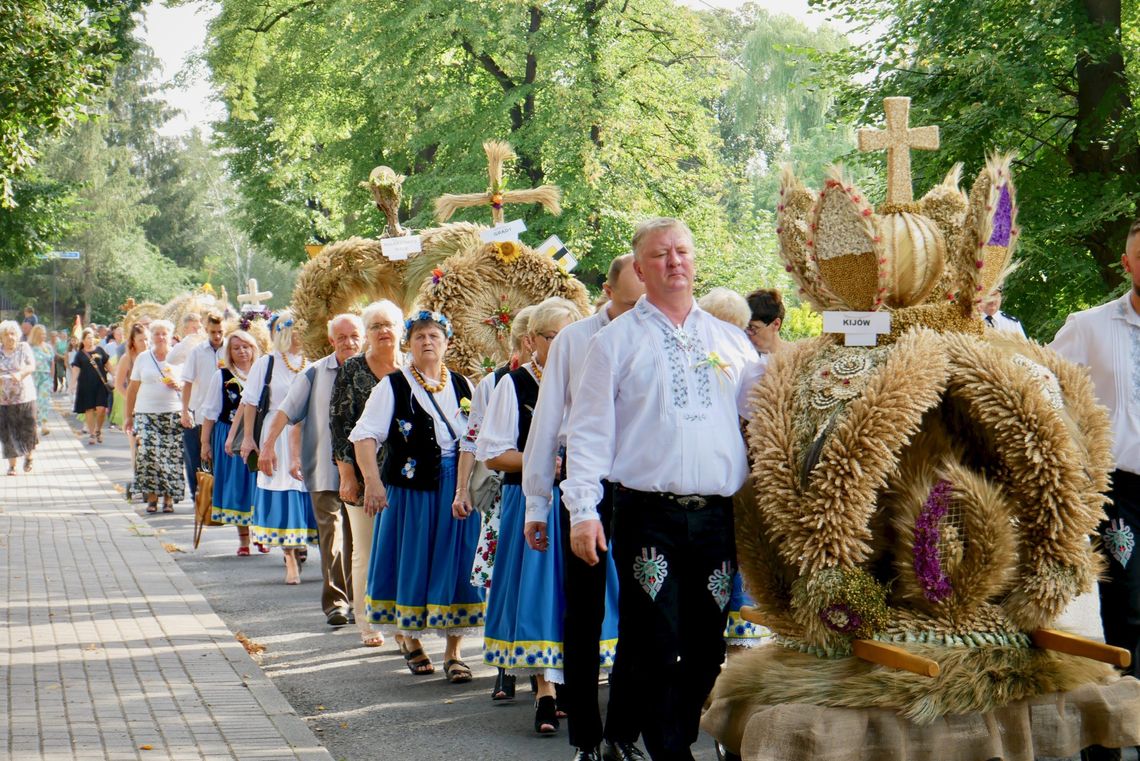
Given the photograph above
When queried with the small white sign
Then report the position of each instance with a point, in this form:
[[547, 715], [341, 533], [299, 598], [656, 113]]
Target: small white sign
[[398, 249], [556, 250], [506, 231], [858, 328]]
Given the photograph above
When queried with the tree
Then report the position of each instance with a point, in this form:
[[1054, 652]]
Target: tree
[[55, 57], [1049, 80], [611, 101]]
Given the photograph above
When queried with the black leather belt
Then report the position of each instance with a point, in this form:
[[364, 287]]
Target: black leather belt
[[691, 502]]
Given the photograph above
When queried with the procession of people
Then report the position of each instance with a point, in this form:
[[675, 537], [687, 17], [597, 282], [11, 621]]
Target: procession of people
[[591, 477]]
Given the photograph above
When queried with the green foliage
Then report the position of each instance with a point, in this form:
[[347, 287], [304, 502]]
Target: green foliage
[[55, 57], [633, 109], [1043, 79], [801, 321]]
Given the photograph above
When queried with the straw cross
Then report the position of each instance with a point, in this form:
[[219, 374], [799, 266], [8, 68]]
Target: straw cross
[[253, 298], [898, 139], [497, 195]]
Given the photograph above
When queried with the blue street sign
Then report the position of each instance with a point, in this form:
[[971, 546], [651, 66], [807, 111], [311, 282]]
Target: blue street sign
[[60, 255]]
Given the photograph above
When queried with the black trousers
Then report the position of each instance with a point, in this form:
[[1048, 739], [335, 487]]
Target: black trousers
[[584, 587], [1120, 592], [671, 564], [192, 456]]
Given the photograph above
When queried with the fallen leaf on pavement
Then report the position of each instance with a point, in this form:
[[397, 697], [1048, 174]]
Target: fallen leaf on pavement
[[251, 647], [171, 547], [146, 747]]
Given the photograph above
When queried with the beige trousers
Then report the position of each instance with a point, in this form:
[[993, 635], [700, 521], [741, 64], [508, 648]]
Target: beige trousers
[[361, 525], [336, 549]]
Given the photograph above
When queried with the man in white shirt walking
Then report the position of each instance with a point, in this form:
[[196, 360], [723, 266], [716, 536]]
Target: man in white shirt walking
[[584, 585], [1106, 340], [198, 369], [656, 413]]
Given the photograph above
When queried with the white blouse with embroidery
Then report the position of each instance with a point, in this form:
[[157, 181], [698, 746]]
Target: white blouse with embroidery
[[658, 409]]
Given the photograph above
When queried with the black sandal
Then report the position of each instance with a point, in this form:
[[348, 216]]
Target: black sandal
[[418, 661], [545, 716], [457, 671], [504, 686]]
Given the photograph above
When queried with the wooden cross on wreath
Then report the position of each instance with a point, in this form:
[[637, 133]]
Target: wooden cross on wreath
[[497, 195], [252, 299], [898, 139]]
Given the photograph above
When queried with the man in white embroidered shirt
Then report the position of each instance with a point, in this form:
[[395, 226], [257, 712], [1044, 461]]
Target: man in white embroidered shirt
[[657, 414], [1106, 340]]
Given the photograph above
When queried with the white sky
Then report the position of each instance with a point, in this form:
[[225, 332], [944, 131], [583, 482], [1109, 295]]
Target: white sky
[[177, 34]]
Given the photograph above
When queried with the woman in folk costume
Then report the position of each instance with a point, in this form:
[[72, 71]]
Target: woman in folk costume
[[523, 632], [419, 577], [233, 481], [282, 508], [484, 564]]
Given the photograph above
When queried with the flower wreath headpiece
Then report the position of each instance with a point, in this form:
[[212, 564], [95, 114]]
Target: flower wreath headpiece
[[276, 324], [436, 317]]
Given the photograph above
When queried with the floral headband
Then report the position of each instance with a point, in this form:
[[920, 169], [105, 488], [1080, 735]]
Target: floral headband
[[436, 317], [249, 315], [276, 324]]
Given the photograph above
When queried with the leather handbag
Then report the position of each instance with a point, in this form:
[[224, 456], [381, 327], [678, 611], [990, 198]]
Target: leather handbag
[[258, 420]]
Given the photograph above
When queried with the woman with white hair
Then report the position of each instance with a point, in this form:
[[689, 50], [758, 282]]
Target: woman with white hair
[[154, 407], [383, 330], [282, 509], [232, 500], [17, 398], [91, 383]]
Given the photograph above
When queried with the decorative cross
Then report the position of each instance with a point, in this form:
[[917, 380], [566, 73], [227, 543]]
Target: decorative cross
[[898, 138], [252, 299], [497, 195]]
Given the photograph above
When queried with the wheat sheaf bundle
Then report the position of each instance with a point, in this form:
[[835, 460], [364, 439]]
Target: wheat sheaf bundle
[[496, 196]]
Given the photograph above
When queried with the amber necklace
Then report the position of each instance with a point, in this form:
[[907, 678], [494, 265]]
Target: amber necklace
[[536, 367], [289, 365], [430, 388]]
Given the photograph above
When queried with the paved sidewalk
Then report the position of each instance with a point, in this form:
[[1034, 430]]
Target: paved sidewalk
[[107, 650]]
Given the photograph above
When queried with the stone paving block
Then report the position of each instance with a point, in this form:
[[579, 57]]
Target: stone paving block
[[127, 652]]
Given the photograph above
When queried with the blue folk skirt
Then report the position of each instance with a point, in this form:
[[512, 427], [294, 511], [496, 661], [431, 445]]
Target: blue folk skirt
[[283, 518], [419, 575], [233, 483], [524, 615], [739, 632]]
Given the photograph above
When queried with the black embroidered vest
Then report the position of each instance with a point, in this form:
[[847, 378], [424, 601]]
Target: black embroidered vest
[[231, 396], [413, 458], [526, 393]]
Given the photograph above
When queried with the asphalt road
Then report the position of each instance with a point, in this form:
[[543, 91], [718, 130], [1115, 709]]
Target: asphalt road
[[361, 702]]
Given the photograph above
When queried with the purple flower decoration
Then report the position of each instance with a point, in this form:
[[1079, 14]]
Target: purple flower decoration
[[1003, 218], [927, 536], [841, 618]]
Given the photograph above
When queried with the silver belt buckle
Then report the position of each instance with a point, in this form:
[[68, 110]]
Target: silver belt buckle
[[692, 502]]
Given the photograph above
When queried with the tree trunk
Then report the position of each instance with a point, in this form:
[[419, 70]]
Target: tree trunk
[[1103, 146]]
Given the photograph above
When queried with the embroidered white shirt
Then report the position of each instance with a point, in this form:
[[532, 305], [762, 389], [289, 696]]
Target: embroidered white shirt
[[376, 419], [1106, 340], [479, 401], [653, 413], [500, 431], [560, 378]]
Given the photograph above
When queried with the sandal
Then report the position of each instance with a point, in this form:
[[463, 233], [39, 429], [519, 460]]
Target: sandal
[[243, 552], [372, 639], [152, 507], [11, 470], [167, 507], [99, 437], [504, 688], [90, 440], [545, 716], [27, 464], [261, 547], [457, 671], [418, 661]]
